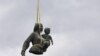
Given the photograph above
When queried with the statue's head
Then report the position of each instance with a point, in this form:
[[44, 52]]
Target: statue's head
[[38, 27], [47, 30]]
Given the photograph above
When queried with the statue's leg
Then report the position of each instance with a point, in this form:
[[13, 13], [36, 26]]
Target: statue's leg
[[46, 45], [35, 49]]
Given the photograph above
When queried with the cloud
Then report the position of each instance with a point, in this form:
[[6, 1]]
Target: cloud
[[74, 24]]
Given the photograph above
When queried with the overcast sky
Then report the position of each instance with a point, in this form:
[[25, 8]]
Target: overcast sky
[[75, 26]]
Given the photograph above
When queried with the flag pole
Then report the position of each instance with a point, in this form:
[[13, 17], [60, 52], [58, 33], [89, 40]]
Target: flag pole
[[38, 11]]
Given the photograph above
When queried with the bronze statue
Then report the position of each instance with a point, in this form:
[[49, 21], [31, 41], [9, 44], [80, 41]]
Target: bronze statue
[[35, 38], [40, 42]]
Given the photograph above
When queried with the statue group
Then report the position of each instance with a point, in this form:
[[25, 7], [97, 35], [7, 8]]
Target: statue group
[[40, 42]]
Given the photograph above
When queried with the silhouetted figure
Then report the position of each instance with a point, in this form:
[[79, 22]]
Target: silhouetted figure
[[47, 38], [36, 40]]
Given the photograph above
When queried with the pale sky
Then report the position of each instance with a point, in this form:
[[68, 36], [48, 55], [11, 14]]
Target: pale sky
[[75, 26]]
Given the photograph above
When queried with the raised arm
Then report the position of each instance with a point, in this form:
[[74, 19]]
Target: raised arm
[[51, 40]]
